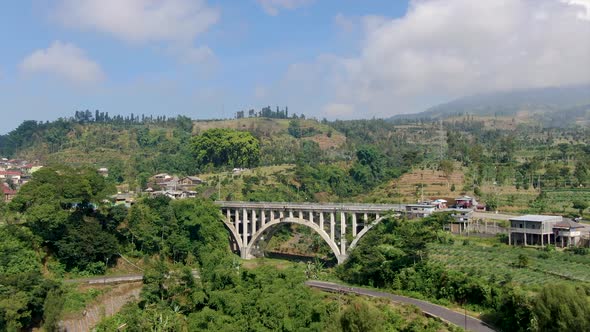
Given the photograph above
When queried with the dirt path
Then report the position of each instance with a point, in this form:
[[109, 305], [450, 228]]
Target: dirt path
[[106, 305]]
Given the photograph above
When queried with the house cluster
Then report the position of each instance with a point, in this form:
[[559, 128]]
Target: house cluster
[[13, 174], [543, 230], [173, 186]]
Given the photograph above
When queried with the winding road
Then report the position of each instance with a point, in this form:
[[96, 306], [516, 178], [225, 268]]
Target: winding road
[[467, 322]]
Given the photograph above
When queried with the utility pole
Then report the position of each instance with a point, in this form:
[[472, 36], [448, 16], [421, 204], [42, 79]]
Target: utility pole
[[441, 139]]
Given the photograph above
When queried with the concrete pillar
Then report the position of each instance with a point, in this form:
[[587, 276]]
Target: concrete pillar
[[253, 222], [300, 214], [342, 233], [376, 216], [561, 241], [290, 213], [525, 238], [281, 214], [354, 225], [311, 217], [322, 221], [245, 228], [237, 220], [366, 220], [263, 217], [332, 225]]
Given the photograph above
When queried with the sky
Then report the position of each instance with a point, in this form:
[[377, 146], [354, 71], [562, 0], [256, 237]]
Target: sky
[[334, 59]]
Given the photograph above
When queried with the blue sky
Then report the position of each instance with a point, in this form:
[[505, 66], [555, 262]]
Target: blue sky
[[325, 58]]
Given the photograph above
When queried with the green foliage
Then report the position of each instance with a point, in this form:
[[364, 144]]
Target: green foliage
[[580, 206], [226, 147], [562, 308], [23, 290], [86, 244], [360, 317], [52, 309], [177, 229], [522, 261]]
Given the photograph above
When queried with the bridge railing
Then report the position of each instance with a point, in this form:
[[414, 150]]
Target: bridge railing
[[313, 206]]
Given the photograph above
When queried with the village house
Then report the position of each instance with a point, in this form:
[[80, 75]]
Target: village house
[[569, 233], [7, 193], [461, 221], [533, 229], [161, 178], [190, 181], [103, 171], [465, 202], [11, 175], [419, 210]]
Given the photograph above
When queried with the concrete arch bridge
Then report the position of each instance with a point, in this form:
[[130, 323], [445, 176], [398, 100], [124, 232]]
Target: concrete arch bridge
[[334, 223]]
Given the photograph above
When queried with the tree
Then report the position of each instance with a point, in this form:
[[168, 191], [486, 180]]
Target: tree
[[522, 261], [580, 206], [360, 317], [447, 167], [226, 147], [562, 307]]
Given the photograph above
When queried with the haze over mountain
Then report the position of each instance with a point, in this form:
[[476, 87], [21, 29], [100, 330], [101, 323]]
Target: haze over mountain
[[556, 106]]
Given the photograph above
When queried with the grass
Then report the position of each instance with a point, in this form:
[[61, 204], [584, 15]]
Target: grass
[[77, 297], [497, 262]]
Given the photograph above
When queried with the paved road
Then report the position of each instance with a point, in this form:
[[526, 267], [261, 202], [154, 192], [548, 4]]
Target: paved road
[[107, 280], [472, 324], [115, 279], [491, 215]]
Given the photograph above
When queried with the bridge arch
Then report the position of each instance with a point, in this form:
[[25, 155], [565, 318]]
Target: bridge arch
[[250, 245], [234, 233], [364, 231], [335, 223]]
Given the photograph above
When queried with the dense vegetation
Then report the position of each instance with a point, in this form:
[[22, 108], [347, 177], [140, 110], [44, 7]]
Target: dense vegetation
[[396, 255]]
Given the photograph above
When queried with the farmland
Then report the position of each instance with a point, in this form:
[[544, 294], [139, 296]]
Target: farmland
[[498, 263]]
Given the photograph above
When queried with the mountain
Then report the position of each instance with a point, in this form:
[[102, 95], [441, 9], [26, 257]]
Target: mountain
[[556, 106]]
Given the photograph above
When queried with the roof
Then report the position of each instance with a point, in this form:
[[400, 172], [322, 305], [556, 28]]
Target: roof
[[537, 218], [567, 224], [463, 198], [7, 191], [194, 178], [10, 173]]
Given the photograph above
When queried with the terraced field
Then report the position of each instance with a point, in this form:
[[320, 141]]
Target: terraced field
[[498, 262]]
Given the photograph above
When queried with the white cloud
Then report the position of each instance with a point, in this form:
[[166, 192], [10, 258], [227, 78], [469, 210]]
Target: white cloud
[[272, 7], [175, 23], [64, 60], [140, 20], [442, 49], [584, 8]]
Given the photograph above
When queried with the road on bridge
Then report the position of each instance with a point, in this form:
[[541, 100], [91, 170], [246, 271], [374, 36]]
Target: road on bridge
[[461, 320]]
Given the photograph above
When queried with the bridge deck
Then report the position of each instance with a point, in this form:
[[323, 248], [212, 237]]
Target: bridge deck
[[317, 207]]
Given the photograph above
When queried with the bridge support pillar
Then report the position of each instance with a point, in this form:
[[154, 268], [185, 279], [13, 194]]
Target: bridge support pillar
[[245, 229], [332, 225], [322, 221], [342, 233], [253, 222], [353, 225]]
